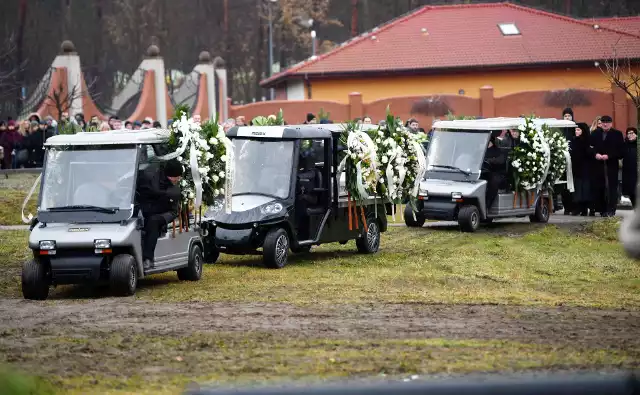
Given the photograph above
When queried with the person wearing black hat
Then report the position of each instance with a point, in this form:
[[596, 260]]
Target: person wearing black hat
[[311, 119], [607, 148], [158, 195], [494, 169]]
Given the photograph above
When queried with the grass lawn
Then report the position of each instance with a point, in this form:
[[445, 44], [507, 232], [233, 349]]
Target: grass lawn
[[508, 264], [13, 190], [533, 265]]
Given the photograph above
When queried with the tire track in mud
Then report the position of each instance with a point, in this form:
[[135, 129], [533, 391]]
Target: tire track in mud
[[559, 326]]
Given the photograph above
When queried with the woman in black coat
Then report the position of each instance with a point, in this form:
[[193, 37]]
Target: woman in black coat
[[580, 161], [630, 166]]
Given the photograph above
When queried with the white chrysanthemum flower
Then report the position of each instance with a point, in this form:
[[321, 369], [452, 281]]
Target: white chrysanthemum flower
[[223, 158]]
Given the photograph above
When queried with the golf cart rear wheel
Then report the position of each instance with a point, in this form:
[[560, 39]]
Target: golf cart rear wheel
[[369, 241], [193, 272], [409, 220], [35, 280], [541, 214], [275, 249], [124, 275], [469, 218]]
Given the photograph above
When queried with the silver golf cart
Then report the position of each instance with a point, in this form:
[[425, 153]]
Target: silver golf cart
[[453, 189], [277, 206], [89, 228]]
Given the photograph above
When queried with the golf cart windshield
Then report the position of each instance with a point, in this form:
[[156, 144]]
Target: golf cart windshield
[[457, 151], [262, 167], [89, 178]]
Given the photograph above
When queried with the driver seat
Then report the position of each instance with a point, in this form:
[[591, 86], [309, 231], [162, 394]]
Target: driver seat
[[317, 192]]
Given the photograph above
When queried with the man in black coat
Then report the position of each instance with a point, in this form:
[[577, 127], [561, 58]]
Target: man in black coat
[[158, 196], [494, 170], [630, 166], [607, 148]]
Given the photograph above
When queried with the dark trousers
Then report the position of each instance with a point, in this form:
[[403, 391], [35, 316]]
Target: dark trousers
[[494, 182], [633, 200], [567, 199], [153, 225], [605, 201]]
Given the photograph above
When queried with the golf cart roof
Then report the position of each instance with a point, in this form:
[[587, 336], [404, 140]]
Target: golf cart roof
[[112, 137], [490, 124], [289, 132]]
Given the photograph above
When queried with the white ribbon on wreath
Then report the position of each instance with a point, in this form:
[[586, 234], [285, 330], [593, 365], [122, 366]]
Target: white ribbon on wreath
[[570, 186], [359, 141], [547, 154], [29, 217]]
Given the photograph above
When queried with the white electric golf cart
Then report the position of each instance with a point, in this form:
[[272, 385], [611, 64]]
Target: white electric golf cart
[[283, 200], [89, 228], [453, 189]]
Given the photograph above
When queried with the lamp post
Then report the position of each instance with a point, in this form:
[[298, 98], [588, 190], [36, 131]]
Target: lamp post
[[270, 2], [313, 43]]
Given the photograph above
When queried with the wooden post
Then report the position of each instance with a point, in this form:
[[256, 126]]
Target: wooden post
[[173, 233], [180, 217]]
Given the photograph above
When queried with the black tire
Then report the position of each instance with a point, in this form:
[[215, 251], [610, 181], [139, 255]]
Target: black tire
[[123, 277], [301, 250], [369, 241], [275, 250], [211, 257], [193, 272], [418, 222], [469, 218], [541, 214], [35, 280]]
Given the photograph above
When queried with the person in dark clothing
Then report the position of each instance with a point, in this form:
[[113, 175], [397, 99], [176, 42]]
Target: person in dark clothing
[[306, 182], [158, 195], [607, 148], [580, 161], [311, 119], [9, 139], [630, 166], [494, 170]]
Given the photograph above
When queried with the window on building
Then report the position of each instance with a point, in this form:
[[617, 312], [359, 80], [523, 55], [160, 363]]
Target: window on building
[[509, 29]]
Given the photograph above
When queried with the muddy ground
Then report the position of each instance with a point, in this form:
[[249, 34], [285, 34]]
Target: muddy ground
[[560, 326]]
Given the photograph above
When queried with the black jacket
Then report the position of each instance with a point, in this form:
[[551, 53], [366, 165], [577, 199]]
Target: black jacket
[[495, 160], [630, 168], [580, 156], [612, 146], [156, 194]]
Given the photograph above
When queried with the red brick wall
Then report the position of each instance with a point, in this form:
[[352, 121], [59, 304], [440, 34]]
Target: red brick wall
[[594, 103]]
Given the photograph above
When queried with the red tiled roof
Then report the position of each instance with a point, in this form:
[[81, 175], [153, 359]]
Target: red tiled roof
[[465, 36], [630, 24]]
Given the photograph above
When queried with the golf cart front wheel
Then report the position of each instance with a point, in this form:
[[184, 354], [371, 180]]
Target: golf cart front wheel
[[369, 241], [35, 280], [275, 249], [409, 219], [193, 272], [541, 214], [124, 275], [469, 218]]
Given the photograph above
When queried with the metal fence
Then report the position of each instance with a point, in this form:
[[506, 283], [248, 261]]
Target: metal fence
[[558, 384]]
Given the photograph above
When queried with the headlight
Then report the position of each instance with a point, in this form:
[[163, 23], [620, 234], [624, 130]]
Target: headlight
[[456, 195], [273, 208], [102, 244], [47, 245]]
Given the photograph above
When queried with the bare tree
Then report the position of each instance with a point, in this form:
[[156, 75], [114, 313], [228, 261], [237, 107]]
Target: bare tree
[[62, 99], [624, 74]]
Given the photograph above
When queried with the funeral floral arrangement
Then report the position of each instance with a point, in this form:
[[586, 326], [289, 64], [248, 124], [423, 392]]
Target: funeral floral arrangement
[[271, 120], [204, 151], [559, 151], [389, 160], [530, 158], [360, 163]]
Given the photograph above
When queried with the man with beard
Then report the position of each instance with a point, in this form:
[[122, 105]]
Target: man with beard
[[607, 148]]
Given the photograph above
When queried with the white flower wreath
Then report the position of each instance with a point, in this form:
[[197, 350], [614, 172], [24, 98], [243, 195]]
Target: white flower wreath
[[559, 151], [530, 158]]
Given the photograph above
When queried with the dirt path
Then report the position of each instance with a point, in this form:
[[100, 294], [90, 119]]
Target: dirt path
[[562, 326]]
